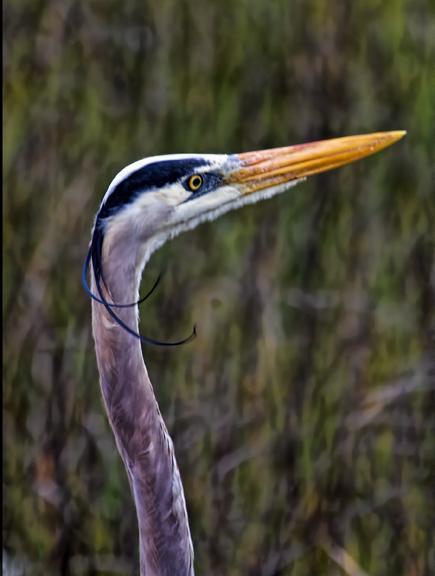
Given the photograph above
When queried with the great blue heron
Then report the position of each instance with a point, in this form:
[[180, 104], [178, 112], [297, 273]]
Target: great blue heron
[[147, 203]]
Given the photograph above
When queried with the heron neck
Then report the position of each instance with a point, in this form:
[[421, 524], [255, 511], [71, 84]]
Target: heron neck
[[140, 433]]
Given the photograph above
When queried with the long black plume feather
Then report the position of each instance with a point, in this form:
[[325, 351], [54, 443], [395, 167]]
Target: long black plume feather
[[94, 257], [112, 304]]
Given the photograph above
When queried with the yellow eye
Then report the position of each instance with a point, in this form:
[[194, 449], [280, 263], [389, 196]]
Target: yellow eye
[[195, 182]]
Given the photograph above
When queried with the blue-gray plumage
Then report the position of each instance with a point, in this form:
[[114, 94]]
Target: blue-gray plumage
[[148, 202]]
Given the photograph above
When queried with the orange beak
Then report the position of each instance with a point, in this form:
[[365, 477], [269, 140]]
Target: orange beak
[[268, 168]]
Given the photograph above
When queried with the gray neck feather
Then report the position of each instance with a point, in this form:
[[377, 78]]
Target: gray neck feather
[[140, 433]]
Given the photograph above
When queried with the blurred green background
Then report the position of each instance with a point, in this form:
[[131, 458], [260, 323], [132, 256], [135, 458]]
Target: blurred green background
[[303, 415]]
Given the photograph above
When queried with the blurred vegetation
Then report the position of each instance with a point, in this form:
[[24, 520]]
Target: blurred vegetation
[[303, 414]]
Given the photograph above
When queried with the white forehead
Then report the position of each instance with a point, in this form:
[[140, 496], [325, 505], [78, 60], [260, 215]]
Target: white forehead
[[214, 159]]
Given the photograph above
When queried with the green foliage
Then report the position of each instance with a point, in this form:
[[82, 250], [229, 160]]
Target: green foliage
[[302, 414]]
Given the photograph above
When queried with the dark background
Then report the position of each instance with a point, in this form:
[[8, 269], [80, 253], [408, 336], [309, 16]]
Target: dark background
[[303, 413]]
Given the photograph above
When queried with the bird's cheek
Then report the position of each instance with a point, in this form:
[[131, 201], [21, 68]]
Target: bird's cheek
[[174, 196]]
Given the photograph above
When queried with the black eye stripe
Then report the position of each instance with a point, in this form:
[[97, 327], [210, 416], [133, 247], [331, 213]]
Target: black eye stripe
[[151, 176]]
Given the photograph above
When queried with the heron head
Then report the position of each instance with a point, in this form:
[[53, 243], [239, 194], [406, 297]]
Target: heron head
[[156, 198]]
